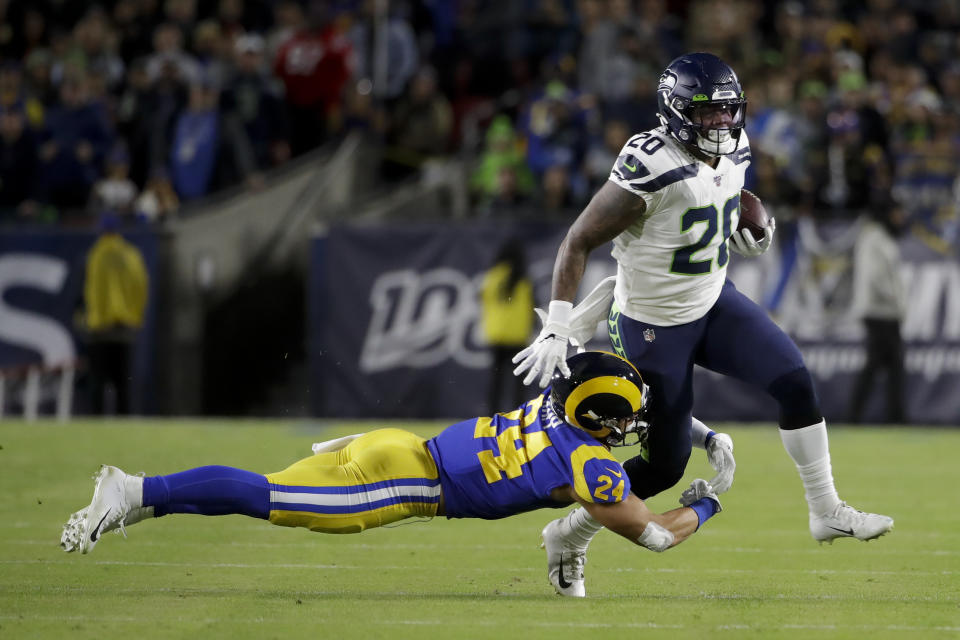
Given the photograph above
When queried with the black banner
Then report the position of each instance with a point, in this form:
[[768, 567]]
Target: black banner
[[41, 288], [394, 323]]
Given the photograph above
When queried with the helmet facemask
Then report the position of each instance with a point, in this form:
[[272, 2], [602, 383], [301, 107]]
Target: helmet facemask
[[717, 141], [619, 432]]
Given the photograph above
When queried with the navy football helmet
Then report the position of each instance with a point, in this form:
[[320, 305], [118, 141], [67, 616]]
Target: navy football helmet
[[696, 83], [604, 395]]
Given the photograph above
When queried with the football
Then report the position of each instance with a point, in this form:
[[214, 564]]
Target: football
[[753, 215]]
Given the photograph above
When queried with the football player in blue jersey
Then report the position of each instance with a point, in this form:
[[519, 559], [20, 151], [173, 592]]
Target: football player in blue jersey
[[671, 207], [552, 451]]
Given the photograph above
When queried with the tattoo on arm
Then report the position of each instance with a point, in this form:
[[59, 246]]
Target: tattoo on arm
[[611, 210]]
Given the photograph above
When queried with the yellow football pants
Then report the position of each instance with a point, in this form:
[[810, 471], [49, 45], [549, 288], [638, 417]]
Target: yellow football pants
[[381, 477]]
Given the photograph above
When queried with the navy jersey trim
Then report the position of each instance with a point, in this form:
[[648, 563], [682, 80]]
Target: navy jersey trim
[[741, 155], [668, 178]]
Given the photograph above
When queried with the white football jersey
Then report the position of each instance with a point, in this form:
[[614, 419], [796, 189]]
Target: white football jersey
[[672, 263]]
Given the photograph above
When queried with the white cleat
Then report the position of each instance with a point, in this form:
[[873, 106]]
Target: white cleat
[[73, 530], [847, 522], [107, 511], [564, 562]]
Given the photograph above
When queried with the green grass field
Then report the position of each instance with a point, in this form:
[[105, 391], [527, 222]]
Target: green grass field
[[753, 572]]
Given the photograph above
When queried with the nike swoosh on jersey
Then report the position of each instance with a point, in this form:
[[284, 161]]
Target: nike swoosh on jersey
[[629, 172], [616, 473]]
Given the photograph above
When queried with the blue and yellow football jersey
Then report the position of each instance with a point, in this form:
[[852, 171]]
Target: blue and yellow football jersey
[[500, 466]]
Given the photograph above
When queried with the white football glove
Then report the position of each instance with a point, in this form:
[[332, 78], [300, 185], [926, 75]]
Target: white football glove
[[549, 350], [742, 241], [699, 489], [588, 313], [720, 455]]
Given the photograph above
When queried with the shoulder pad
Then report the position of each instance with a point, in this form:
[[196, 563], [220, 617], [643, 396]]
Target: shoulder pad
[[649, 162], [606, 481], [597, 476]]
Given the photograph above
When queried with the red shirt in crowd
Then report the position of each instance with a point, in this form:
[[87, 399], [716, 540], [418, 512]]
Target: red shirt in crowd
[[314, 66]]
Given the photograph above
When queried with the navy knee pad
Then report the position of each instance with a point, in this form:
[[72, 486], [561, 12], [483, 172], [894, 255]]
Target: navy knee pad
[[799, 405]]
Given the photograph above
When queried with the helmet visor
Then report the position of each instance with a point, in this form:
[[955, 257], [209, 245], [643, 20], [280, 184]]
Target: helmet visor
[[717, 124], [717, 115]]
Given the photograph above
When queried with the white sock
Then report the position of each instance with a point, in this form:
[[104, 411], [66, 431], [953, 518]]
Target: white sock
[[133, 491], [811, 453], [578, 528]]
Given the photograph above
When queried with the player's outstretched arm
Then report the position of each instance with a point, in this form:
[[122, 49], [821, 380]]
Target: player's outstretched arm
[[634, 521]]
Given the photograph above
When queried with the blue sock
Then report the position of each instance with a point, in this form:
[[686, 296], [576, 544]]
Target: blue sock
[[208, 491], [705, 508]]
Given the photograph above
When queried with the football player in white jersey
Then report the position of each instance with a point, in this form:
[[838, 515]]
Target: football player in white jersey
[[671, 207]]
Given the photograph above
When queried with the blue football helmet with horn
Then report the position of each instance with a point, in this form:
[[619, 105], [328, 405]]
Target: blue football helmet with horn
[[604, 395]]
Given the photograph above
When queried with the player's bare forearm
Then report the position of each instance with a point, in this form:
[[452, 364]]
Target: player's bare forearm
[[681, 522], [631, 517], [611, 210], [568, 269]]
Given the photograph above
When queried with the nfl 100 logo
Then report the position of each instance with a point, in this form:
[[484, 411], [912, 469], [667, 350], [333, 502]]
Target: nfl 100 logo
[[649, 335]]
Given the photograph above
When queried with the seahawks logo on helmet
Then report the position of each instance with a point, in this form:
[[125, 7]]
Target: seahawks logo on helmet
[[604, 395], [696, 81]]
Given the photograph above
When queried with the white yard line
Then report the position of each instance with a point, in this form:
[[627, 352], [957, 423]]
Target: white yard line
[[288, 565], [494, 623], [317, 545]]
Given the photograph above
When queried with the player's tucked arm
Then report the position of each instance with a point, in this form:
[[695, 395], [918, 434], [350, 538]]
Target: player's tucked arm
[[631, 517], [611, 210]]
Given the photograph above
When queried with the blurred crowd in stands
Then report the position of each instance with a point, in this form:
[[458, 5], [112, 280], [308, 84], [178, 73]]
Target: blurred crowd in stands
[[139, 106]]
